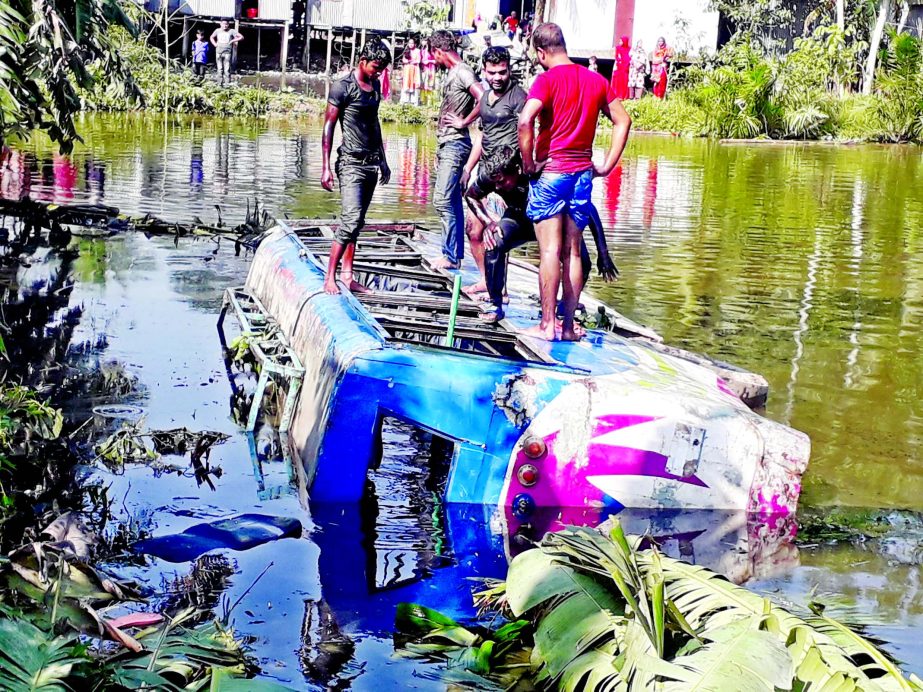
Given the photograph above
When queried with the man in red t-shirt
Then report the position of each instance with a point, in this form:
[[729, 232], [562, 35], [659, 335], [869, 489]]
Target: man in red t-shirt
[[569, 99], [511, 23]]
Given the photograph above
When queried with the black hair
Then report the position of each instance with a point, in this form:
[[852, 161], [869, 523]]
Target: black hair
[[376, 49], [496, 55], [549, 38], [443, 40], [504, 159]]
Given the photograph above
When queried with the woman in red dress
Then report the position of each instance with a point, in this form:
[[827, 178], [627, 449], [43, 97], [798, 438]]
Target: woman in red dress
[[621, 69]]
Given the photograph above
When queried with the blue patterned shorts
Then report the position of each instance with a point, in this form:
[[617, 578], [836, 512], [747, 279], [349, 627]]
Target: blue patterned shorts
[[561, 193]]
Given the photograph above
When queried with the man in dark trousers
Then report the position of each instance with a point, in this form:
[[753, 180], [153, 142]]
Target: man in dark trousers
[[499, 112], [361, 163], [461, 92], [501, 173]]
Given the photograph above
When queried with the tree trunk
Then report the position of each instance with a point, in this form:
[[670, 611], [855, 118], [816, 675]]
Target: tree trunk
[[884, 13], [905, 13], [539, 12], [841, 25]]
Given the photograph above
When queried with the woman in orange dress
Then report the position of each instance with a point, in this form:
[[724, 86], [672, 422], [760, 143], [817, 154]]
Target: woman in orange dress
[[660, 64], [410, 84]]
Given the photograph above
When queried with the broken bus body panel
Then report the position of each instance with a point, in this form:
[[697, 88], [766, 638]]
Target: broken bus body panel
[[608, 422]]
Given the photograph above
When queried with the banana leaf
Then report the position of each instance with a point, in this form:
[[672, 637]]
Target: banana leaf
[[31, 659]]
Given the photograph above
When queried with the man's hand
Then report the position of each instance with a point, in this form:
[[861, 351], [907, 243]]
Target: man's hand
[[384, 173], [535, 169], [326, 179], [601, 171], [456, 121], [465, 178]]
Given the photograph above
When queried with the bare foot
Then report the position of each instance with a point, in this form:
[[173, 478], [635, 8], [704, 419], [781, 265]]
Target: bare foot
[[537, 331], [473, 289], [578, 330], [356, 287], [444, 263], [330, 287], [575, 333]]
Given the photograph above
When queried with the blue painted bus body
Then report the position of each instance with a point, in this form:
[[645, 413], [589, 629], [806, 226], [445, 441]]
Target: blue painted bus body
[[599, 389]]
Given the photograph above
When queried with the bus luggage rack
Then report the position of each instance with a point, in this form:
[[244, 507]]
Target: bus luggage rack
[[275, 357]]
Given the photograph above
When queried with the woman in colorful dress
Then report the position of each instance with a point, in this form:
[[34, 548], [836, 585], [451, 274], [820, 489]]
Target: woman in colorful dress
[[410, 84], [621, 69], [637, 71], [428, 63], [660, 64]]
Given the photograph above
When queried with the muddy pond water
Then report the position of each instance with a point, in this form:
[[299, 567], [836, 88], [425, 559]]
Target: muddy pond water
[[803, 262]]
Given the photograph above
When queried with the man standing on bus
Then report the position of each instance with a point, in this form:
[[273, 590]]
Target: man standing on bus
[[361, 163], [569, 99]]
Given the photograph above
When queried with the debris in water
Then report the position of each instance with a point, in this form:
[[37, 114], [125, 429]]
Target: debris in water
[[235, 533], [102, 220], [68, 532]]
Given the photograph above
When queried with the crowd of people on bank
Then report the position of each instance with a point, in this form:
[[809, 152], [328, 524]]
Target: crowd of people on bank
[[634, 66], [534, 152]]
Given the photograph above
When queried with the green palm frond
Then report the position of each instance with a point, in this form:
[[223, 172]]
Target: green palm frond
[[608, 613], [878, 665], [33, 660], [739, 657]]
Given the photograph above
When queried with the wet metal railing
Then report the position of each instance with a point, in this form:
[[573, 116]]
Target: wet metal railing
[[270, 349]]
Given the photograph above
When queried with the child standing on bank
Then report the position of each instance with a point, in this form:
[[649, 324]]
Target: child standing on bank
[[199, 54]]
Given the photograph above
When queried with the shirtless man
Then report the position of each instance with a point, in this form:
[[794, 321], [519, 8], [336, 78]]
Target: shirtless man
[[569, 99], [361, 163], [500, 173]]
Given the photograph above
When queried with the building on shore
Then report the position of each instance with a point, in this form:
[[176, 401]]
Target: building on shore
[[594, 27], [287, 33]]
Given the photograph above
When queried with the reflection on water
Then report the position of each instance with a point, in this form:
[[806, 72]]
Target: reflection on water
[[802, 262]]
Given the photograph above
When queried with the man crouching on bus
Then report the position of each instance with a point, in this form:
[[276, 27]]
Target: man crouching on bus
[[361, 163]]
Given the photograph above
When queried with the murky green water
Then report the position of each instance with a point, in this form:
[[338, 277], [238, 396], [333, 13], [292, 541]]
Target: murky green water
[[801, 262]]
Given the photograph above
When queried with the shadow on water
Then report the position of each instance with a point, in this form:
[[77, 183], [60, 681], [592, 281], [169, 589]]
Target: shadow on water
[[802, 262]]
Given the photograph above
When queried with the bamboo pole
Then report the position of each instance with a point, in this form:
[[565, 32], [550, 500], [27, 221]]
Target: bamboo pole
[[284, 57], [165, 6], [453, 312]]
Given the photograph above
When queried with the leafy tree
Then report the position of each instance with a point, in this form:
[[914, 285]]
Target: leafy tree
[[425, 16], [48, 50], [755, 17]]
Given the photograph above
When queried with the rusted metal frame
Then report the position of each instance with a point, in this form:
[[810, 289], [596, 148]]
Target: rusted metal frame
[[461, 331], [419, 302], [403, 273], [284, 363]]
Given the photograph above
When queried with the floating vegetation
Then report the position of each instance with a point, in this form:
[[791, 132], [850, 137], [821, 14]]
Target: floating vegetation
[[127, 445], [133, 444], [203, 586], [102, 220]]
